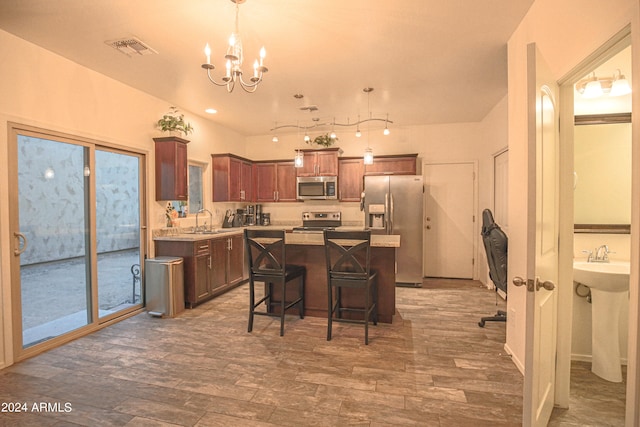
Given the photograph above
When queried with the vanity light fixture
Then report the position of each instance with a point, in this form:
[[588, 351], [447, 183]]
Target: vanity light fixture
[[620, 85], [594, 87], [234, 58]]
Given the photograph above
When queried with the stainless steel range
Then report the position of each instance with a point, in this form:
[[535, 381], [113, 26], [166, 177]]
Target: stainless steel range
[[316, 222]]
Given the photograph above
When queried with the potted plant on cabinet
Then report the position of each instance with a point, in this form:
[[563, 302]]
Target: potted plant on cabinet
[[173, 122]]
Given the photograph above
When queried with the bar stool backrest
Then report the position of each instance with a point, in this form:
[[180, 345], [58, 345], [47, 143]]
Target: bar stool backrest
[[348, 254], [266, 251]]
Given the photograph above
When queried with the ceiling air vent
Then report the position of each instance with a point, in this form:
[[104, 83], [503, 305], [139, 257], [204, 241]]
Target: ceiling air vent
[[131, 46]]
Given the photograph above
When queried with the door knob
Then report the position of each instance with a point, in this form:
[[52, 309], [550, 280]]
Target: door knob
[[519, 281], [547, 284]]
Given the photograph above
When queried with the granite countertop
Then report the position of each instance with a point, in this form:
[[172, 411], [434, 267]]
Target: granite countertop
[[314, 239]]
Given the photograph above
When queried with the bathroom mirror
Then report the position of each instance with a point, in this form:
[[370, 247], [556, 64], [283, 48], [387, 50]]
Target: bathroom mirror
[[602, 186]]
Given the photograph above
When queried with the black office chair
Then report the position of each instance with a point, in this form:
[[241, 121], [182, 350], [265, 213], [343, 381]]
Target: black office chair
[[495, 245], [267, 263], [348, 256]]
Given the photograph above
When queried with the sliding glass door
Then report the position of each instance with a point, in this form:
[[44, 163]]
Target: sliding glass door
[[55, 267], [118, 231], [76, 219]]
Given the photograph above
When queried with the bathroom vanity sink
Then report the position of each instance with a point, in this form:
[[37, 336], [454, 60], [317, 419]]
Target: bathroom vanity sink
[[608, 283], [606, 276]]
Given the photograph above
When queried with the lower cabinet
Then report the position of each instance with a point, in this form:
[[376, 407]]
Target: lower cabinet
[[211, 267]]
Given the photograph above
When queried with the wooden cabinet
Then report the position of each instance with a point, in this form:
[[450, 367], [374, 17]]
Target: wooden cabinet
[[319, 163], [351, 172], [211, 266], [227, 255], [350, 181], [232, 178], [171, 168], [275, 181], [392, 165], [197, 267]]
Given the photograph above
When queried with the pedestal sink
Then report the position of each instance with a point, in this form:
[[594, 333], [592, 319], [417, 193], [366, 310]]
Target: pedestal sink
[[609, 283]]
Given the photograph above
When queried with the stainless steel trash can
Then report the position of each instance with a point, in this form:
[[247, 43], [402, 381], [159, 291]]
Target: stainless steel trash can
[[164, 286]]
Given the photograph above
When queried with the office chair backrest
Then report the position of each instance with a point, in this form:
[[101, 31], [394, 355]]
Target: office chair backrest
[[495, 244]]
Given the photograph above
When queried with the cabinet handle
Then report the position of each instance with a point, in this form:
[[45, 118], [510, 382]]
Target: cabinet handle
[[209, 262], [241, 194], [274, 196]]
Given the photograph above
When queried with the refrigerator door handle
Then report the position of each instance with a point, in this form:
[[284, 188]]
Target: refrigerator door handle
[[386, 213], [391, 213]]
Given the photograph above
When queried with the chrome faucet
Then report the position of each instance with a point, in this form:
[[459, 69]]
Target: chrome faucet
[[601, 254], [210, 219]]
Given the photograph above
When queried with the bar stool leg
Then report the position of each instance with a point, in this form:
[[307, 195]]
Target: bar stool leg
[[251, 305], [330, 312], [301, 296], [282, 305]]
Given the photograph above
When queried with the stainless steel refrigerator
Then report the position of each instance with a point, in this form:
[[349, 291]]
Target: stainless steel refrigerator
[[393, 205]]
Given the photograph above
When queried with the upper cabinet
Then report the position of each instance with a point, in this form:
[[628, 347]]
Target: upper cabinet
[[404, 164], [319, 163], [232, 178], [350, 182], [274, 181], [171, 168]]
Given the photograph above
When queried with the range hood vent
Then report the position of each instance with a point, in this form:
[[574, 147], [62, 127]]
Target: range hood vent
[[131, 46]]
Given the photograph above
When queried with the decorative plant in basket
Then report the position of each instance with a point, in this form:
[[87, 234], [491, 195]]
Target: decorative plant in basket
[[173, 121], [324, 140]]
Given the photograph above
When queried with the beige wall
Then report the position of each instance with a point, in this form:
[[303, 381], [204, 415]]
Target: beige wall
[[565, 33]]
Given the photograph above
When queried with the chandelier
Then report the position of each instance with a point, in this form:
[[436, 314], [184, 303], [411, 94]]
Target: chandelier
[[234, 58], [593, 87]]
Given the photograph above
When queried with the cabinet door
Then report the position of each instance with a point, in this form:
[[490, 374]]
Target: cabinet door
[[201, 276], [218, 263], [286, 182], [171, 169], [392, 166], [236, 259], [246, 187], [235, 180], [265, 182], [309, 166], [351, 181], [327, 163]]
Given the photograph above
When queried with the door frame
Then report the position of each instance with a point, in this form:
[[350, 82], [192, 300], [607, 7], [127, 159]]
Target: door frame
[[565, 307], [17, 352], [476, 222]]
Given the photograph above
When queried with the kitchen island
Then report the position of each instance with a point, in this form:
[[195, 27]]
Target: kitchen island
[[306, 249]]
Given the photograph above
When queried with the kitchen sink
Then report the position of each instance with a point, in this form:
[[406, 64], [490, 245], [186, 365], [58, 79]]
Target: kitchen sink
[[207, 232]]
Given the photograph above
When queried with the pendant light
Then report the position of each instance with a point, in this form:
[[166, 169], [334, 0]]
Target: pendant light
[[368, 152]]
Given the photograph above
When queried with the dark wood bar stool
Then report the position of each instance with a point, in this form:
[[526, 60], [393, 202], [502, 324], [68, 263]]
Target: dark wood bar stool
[[267, 263], [348, 256]]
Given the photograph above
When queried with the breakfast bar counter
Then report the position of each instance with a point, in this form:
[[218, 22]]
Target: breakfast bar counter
[[307, 249]]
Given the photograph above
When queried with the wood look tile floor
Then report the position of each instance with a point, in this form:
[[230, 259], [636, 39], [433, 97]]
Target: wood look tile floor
[[432, 367]]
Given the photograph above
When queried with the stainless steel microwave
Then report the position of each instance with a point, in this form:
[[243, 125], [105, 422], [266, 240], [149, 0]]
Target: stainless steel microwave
[[317, 187]]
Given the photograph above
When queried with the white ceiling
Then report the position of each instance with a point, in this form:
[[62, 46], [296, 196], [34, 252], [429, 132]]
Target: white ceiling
[[429, 61]]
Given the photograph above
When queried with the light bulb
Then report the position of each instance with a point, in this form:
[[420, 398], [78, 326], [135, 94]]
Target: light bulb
[[275, 138], [358, 133], [368, 156], [386, 131]]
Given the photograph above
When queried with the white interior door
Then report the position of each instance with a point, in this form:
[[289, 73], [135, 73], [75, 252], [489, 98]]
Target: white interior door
[[449, 220], [542, 242]]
